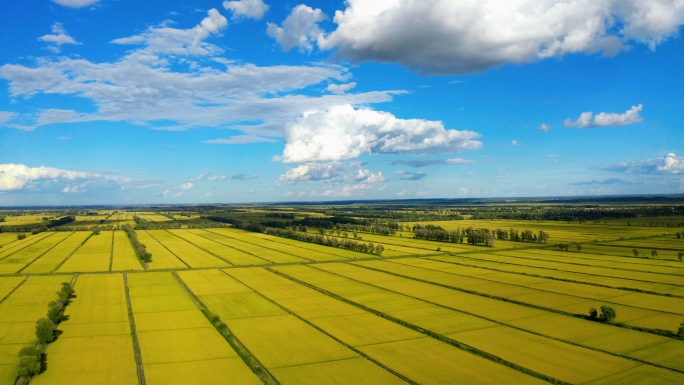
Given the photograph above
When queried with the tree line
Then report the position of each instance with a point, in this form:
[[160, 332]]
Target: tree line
[[32, 358], [477, 236], [140, 248], [342, 243]]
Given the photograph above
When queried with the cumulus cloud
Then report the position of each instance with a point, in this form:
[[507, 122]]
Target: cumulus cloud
[[343, 132], [300, 28], [241, 139], [670, 164], [460, 37], [416, 163], [168, 40], [603, 119], [6, 116], [18, 176], [252, 9], [337, 172], [58, 37], [544, 127], [75, 3], [340, 89]]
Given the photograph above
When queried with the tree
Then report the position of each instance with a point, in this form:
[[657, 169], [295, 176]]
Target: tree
[[593, 313], [680, 331], [654, 253], [578, 247], [55, 311], [607, 314], [45, 330], [680, 255], [635, 252]]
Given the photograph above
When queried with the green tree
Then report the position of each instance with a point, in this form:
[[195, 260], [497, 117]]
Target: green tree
[[593, 313], [680, 331], [55, 311], [635, 252], [578, 247], [680, 255], [29, 365], [654, 253], [607, 314], [45, 330]]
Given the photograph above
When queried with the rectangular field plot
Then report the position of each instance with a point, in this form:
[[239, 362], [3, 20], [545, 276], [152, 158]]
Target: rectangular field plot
[[334, 252], [96, 343], [94, 255], [356, 370], [189, 253], [53, 257], [176, 338], [162, 258], [251, 247], [17, 245], [428, 361], [7, 284], [17, 260], [222, 246], [124, 257], [20, 311]]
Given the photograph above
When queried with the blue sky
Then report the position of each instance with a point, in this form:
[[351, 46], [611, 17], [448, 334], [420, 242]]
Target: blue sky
[[129, 102]]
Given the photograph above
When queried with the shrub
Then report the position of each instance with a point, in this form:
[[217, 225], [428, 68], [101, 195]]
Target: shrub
[[593, 313]]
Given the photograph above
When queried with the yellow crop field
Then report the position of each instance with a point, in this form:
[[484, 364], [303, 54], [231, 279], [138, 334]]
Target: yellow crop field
[[162, 258], [174, 336], [221, 246], [17, 245], [18, 260], [7, 284], [97, 345], [94, 255], [267, 254], [53, 257], [191, 254], [426, 360], [19, 314], [349, 371], [124, 257]]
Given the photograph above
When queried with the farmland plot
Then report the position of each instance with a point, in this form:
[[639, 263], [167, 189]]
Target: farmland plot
[[270, 255], [49, 261], [292, 351], [20, 311], [17, 260], [177, 343], [124, 257], [189, 253], [94, 255], [162, 258], [96, 343], [557, 359]]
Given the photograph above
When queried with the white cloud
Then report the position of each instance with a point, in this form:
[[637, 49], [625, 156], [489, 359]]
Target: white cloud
[[603, 119], [186, 186], [340, 89], [300, 28], [672, 164], [166, 40], [459, 37], [544, 127], [416, 163], [18, 176], [6, 116], [75, 3], [514, 142], [253, 9], [241, 139], [58, 38], [342, 132], [336, 172]]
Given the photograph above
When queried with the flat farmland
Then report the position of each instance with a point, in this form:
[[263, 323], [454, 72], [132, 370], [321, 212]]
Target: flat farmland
[[96, 344], [224, 305]]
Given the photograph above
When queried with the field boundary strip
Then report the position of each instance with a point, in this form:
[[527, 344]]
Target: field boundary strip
[[348, 346], [14, 289], [140, 368], [247, 357], [111, 253], [277, 239], [45, 252], [465, 347], [70, 254], [502, 323]]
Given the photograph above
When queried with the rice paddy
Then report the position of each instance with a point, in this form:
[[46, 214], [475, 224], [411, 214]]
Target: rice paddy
[[222, 305]]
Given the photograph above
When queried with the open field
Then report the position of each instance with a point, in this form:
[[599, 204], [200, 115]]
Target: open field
[[224, 305]]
